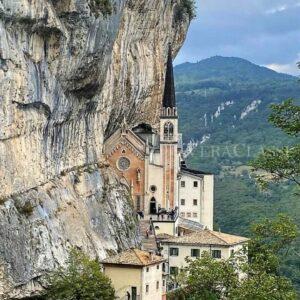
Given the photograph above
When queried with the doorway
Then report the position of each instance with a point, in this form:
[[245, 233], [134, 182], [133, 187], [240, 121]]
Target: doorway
[[133, 293], [153, 206]]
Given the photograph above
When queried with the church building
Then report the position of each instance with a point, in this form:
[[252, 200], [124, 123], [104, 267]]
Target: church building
[[150, 161]]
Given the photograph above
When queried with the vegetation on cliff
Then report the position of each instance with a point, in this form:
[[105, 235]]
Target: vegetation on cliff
[[103, 6], [82, 279], [185, 7]]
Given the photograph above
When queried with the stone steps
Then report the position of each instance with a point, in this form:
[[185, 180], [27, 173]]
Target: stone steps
[[148, 244]]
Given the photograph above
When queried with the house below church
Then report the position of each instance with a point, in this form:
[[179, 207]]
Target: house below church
[[137, 274], [150, 161], [219, 245]]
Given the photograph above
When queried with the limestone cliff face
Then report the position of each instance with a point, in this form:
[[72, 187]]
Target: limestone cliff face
[[68, 75]]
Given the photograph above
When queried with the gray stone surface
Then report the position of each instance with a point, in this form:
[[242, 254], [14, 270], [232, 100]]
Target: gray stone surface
[[68, 75]]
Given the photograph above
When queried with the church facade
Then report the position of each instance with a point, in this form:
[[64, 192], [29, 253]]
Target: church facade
[[150, 162]]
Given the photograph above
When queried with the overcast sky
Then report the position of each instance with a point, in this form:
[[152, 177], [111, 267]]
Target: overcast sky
[[266, 32]]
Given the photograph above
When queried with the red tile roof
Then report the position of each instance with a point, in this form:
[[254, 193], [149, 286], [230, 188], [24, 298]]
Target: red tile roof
[[134, 257]]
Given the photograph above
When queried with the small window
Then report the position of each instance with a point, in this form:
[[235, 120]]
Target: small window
[[164, 267], [216, 253], [153, 188], [174, 251], [147, 288], [195, 252], [195, 215], [174, 270], [157, 285], [182, 201], [138, 175], [147, 269], [164, 282], [157, 267], [195, 202], [232, 252], [182, 184], [188, 215], [182, 215], [195, 183]]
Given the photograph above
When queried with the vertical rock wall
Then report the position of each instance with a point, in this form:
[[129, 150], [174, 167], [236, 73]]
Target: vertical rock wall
[[68, 75]]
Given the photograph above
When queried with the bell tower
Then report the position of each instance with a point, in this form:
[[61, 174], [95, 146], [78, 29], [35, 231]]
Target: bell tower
[[169, 139]]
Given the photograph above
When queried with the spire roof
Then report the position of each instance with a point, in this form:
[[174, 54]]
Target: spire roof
[[169, 99]]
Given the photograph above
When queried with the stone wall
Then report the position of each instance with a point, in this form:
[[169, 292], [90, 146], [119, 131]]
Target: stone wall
[[68, 75]]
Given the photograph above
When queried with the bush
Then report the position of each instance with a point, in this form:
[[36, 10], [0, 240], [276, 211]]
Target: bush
[[104, 6], [25, 209], [82, 279], [2, 201], [185, 7]]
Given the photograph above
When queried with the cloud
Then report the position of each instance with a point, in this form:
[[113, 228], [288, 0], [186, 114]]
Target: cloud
[[281, 8], [276, 9], [243, 29], [291, 68], [287, 68]]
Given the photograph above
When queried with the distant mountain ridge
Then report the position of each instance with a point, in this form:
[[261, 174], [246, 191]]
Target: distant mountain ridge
[[224, 105], [228, 98], [231, 68]]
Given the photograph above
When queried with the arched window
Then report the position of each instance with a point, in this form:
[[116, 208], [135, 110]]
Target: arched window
[[168, 131], [138, 175]]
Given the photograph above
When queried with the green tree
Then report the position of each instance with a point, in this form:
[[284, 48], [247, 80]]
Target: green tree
[[264, 287], [270, 240], [206, 278], [81, 279], [281, 164], [186, 7], [209, 279]]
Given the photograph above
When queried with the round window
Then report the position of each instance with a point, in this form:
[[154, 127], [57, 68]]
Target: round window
[[123, 163], [153, 188]]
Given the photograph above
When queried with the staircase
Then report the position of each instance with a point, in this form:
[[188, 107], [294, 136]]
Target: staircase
[[148, 244]]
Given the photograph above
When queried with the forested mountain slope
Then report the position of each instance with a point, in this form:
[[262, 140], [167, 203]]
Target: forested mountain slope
[[224, 106]]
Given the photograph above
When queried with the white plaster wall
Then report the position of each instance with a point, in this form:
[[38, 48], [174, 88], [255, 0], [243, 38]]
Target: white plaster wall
[[123, 279], [189, 192], [204, 193], [156, 159], [155, 177], [150, 278], [207, 211], [164, 227], [185, 251]]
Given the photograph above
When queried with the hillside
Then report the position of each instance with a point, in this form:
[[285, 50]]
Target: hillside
[[227, 101], [230, 69], [224, 106]]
